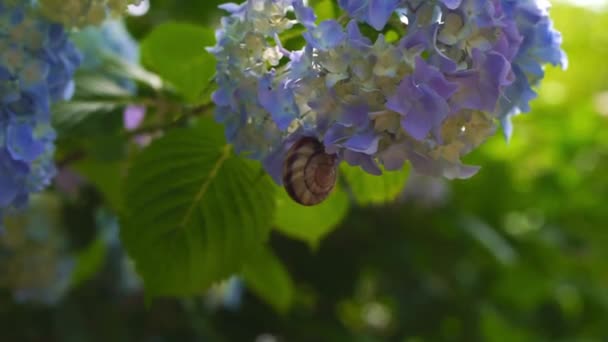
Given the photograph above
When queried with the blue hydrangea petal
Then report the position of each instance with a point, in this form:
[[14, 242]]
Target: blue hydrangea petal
[[355, 37], [328, 34], [21, 143], [451, 4], [365, 161], [222, 97], [380, 11], [9, 186], [232, 7], [517, 96], [336, 135], [278, 100], [365, 142], [374, 12], [354, 115], [305, 15], [356, 8]]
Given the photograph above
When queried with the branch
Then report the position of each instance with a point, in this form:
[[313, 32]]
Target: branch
[[187, 113]]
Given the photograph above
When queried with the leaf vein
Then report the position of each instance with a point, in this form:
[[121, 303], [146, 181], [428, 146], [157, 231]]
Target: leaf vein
[[201, 193]]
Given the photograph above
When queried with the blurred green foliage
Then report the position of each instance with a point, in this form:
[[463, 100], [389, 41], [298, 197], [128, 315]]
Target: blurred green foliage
[[517, 253]]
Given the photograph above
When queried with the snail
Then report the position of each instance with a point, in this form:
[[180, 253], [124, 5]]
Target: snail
[[309, 174]]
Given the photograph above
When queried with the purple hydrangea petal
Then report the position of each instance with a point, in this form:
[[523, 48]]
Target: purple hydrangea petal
[[365, 142], [365, 161], [421, 99], [481, 87], [451, 4], [133, 117]]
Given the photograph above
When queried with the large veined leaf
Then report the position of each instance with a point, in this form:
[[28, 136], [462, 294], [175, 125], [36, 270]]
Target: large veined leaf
[[369, 189], [266, 276], [194, 211], [310, 224], [176, 51]]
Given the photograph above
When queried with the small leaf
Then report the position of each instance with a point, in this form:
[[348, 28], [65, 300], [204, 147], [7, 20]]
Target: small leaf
[[310, 224], [99, 85], [194, 211], [107, 178], [118, 66], [89, 262], [267, 278], [369, 189], [176, 51], [96, 93], [68, 115]]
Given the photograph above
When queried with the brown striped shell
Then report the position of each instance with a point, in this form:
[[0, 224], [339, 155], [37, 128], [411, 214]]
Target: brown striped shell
[[309, 174]]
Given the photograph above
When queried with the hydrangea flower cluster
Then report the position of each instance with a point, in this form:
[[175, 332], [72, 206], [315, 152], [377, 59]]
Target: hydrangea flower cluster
[[79, 13], [433, 94], [36, 66], [111, 40]]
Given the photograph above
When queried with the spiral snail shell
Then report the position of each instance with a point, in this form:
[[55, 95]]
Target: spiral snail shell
[[309, 174]]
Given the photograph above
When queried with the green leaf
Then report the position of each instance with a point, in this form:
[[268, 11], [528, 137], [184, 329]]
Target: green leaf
[[89, 261], [124, 68], [107, 178], [369, 189], [96, 94], [267, 278], [99, 85], [68, 115], [310, 224], [194, 211], [176, 51], [324, 9], [497, 328]]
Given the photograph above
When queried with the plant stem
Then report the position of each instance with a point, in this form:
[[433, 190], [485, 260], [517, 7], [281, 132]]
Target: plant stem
[[187, 113]]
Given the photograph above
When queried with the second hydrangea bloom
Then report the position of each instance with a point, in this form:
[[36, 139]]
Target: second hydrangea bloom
[[429, 97], [83, 12]]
